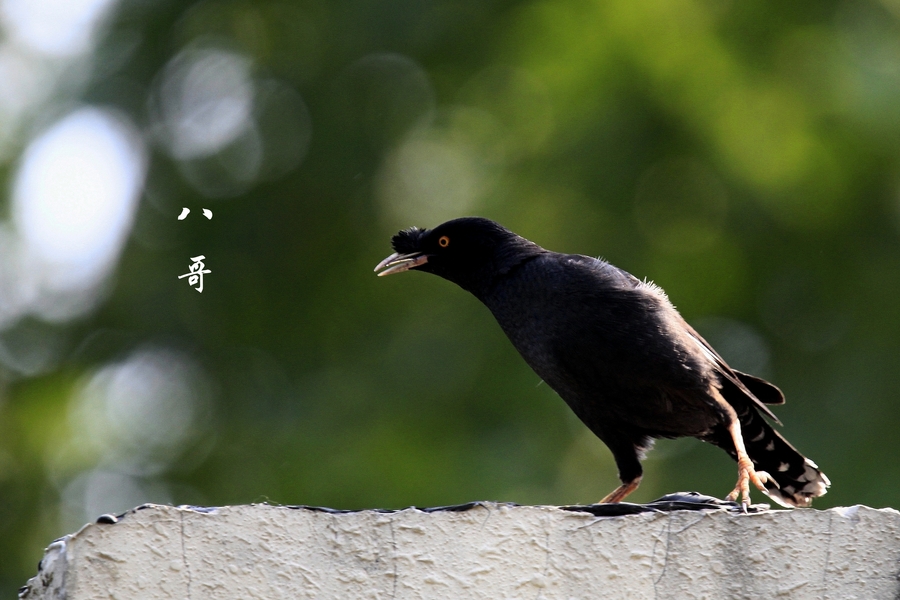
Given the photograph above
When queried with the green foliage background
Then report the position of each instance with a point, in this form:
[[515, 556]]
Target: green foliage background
[[744, 156]]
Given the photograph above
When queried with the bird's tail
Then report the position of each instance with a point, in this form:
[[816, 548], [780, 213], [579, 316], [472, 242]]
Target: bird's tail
[[798, 479]]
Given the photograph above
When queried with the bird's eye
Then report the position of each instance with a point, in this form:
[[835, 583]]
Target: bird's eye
[[444, 241]]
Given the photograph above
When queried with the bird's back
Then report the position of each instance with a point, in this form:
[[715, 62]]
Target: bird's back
[[593, 333]]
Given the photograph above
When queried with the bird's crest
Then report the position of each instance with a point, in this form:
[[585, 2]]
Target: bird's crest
[[408, 240]]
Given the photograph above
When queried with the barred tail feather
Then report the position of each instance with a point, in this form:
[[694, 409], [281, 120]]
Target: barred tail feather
[[798, 478]]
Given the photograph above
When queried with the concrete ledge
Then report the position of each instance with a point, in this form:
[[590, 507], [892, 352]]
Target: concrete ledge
[[483, 550]]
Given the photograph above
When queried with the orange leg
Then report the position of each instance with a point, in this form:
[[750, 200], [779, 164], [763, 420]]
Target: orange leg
[[746, 472], [618, 494]]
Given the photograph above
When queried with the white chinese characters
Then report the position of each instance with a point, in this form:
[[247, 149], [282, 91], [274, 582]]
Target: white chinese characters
[[196, 272], [186, 211]]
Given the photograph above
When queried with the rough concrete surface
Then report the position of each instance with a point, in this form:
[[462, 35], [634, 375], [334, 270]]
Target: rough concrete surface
[[487, 551]]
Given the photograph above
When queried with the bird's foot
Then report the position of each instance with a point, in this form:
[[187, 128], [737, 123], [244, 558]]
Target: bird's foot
[[618, 494], [746, 474]]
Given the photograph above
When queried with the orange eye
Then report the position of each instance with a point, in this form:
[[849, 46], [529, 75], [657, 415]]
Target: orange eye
[[444, 241]]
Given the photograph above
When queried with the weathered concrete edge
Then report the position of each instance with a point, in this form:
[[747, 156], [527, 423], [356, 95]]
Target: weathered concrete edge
[[50, 581]]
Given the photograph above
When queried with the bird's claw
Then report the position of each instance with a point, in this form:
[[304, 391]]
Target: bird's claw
[[766, 479], [746, 474]]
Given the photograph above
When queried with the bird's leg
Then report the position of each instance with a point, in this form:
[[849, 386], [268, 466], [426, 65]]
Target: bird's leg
[[618, 494], [746, 472]]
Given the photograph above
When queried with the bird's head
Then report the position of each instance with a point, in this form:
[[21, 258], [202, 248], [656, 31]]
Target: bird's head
[[471, 252]]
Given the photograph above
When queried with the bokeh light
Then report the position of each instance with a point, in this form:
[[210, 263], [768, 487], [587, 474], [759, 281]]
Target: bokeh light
[[227, 129], [205, 101], [129, 423], [437, 173], [145, 408], [55, 27], [76, 192], [73, 202]]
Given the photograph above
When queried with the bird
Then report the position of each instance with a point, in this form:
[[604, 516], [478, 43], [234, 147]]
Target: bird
[[618, 352]]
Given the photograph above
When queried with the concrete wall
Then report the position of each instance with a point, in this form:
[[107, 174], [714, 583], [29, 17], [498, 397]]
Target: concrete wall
[[482, 551]]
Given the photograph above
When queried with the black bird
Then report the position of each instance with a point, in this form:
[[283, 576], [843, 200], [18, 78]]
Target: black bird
[[617, 351]]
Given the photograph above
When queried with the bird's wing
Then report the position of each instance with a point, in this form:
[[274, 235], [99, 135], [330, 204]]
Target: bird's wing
[[759, 391], [736, 378], [762, 389]]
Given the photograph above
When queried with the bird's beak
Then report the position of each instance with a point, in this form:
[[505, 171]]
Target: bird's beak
[[397, 263]]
